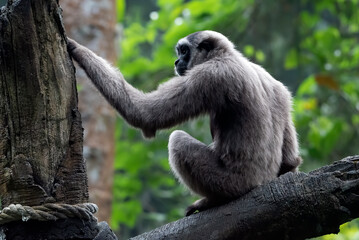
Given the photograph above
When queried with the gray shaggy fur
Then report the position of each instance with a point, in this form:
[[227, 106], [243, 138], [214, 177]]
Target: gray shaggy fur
[[254, 139]]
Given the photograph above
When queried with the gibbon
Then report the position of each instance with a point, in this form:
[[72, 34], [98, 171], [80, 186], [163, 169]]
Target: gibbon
[[254, 139]]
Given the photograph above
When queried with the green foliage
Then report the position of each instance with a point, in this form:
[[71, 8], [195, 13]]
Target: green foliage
[[326, 103], [322, 52], [348, 231], [150, 49], [291, 60], [120, 10]]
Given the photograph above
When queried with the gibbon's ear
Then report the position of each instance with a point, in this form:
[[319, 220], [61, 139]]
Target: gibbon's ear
[[208, 44]]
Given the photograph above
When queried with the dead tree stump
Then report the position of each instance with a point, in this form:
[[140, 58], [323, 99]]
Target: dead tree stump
[[41, 135]]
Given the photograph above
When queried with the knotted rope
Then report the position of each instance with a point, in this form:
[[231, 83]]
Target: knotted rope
[[47, 212]]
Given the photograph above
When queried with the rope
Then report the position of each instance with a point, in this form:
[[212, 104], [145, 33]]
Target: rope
[[47, 212]]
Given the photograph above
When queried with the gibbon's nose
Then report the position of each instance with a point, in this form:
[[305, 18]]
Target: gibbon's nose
[[176, 62]]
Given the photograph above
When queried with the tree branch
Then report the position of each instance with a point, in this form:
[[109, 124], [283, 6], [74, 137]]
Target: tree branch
[[294, 206]]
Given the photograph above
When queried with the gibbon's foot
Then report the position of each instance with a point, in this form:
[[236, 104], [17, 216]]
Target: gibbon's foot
[[200, 205], [190, 210]]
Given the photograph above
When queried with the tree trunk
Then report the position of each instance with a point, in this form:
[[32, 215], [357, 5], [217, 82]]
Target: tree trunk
[[294, 206], [41, 136], [40, 126], [93, 23]]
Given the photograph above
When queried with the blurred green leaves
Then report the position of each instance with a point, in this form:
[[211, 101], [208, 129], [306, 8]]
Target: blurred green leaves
[[120, 10], [291, 60], [319, 46], [348, 231], [326, 103], [150, 48]]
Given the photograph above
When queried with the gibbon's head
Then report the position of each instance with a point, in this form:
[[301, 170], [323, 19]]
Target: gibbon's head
[[199, 47]]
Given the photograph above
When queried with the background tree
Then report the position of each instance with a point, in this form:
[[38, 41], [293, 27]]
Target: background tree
[[93, 24]]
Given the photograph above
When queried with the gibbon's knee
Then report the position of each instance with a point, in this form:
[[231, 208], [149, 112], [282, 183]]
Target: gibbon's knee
[[187, 156], [183, 146], [195, 165], [176, 138], [177, 151]]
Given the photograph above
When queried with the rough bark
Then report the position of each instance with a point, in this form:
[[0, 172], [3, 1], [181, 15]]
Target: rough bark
[[54, 230], [294, 206], [40, 126], [93, 23], [41, 137]]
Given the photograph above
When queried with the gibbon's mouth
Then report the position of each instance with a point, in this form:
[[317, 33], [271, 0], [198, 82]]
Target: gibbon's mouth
[[180, 72]]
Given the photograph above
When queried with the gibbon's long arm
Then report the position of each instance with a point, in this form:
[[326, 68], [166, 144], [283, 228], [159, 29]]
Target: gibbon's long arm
[[173, 102]]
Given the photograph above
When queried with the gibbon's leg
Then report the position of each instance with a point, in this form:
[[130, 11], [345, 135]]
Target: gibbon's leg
[[190, 161], [290, 153], [197, 166]]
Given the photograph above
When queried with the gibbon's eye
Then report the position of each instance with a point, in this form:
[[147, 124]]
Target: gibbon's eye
[[184, 50]]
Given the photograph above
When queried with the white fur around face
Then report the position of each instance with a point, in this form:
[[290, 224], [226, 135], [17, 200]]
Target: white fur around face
[[183, 41]]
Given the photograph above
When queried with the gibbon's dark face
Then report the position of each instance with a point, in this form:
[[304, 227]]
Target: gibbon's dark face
[[183, 51], [194, 49]]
